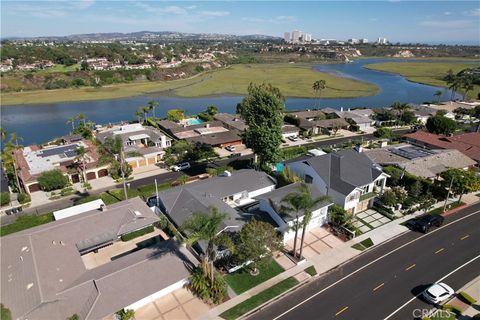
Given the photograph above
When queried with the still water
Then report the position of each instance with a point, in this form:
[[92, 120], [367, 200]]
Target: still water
[[43, 122]]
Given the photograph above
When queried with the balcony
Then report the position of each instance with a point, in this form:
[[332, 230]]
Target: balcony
[[368, 195]]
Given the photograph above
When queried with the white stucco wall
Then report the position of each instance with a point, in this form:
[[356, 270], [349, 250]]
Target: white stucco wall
[[258, 192]]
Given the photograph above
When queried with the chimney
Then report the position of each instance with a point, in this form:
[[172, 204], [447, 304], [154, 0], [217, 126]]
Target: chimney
[[103, 208], [207, 125], [348, 109], [341, 109], [227, 173], [163, 140]]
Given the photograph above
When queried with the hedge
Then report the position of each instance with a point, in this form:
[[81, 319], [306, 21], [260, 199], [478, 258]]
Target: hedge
[[467, 298], [136, 234], [452, 308]]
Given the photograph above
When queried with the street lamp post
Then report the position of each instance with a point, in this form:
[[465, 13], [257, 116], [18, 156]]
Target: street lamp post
[[448, 194]]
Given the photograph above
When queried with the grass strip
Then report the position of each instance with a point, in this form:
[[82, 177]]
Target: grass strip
[[26, 222], [241, 280], [259, 299]]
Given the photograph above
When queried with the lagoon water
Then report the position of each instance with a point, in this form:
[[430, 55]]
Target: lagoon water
[[43, 122]]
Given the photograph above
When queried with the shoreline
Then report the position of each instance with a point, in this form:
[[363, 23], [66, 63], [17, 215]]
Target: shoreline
[[202, 82]]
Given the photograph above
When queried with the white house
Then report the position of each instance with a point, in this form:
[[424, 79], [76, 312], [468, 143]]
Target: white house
[[350, 178], [271, 203]]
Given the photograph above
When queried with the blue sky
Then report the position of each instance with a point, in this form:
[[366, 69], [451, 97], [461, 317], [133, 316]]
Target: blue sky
[[399, 21]]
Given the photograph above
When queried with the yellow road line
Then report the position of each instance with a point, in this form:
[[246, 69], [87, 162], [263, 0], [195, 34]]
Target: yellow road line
[[379, 286], [465, 237], [336, 314], [439, 250], [412, 266]]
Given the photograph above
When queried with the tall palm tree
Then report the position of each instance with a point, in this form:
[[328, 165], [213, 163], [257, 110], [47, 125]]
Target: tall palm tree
[[81, 117], [71, 121], [14, 137], [90, 124], [466, 84], [292, 203], [139, 115], [318, 86], [81, 152], [438, 94], [206, 226], [400, 109], [145, 111], [152, 104], [455, 84], [3, 134]]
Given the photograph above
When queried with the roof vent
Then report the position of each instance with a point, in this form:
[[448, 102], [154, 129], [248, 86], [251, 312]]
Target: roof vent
[[103, 207], [54, 243], [62, 243], [227, 173], [30, 285], [25, 249], [137, 213]]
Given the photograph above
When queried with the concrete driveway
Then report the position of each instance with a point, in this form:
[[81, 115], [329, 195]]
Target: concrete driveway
[[317, 241]]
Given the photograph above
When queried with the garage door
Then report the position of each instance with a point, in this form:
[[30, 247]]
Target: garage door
[[102, 173], [34, 187], [91, 176]]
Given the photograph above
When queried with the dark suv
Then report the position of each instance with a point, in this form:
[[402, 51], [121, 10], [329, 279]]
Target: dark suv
[[424, 223]]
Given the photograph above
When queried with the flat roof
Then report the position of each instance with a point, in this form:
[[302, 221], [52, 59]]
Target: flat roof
[[139, 136], [81, 208]]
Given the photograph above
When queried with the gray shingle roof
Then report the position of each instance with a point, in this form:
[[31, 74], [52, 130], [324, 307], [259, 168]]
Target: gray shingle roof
[[218, 138], [182, 201], [276, 196], [43, 275], [345, 170]]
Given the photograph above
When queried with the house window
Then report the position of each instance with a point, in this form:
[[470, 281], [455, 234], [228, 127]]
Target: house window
[[308, 179]]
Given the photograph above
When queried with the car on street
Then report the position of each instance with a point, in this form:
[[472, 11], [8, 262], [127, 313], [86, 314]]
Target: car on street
[[230, 148], [424, 223], [181, 166], [235, 155], [438, 292], [293, 138]]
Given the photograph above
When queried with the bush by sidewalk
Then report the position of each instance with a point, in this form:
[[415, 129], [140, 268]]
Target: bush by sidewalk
[[466, 298]]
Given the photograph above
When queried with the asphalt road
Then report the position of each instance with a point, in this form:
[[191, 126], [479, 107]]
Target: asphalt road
[[196, 169], [384, 282]]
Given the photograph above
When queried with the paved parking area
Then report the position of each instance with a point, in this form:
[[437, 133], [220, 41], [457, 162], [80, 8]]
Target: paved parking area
[[239, 148], [368, 220], [317, 241], [181, 304]]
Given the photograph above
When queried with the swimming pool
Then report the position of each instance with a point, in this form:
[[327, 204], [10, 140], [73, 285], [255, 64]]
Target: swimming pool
[[191, 122]]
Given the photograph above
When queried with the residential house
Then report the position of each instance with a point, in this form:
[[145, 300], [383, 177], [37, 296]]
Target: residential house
[[212, 133], [422, 112], [46, 273], [142, 145], [226, 193], [289, 130], [418, 161], [466, 143], [33, 160], [271, 203], [362, 118], [326, 126], [231, 122], [349, 177]]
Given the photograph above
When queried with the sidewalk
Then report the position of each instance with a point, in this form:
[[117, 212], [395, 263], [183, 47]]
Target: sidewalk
[[330, 259], [473, 289]]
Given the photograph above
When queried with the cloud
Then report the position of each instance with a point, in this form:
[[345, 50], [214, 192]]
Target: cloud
[[37, 11], [214, 13], [162, 10], [452, 24], [83, 4], [447, 13], [277, 19], [473, 13]]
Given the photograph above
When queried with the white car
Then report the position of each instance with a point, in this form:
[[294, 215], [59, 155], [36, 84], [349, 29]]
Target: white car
[[438, 292], [230, 148], [181, 166], [293, 138]]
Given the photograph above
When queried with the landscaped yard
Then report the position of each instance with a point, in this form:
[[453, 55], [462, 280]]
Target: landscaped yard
[[240, 281], [258, 299], [26, 222], [367, 243]]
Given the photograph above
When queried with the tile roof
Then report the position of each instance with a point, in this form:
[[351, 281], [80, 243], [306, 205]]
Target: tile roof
[[467, 143], [43, 275]]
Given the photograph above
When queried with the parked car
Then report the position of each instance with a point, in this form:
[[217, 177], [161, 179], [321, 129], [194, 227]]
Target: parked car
[[424, 223], [181, 166], [293, 138], [235, 155], [438, 292], [230, 148]]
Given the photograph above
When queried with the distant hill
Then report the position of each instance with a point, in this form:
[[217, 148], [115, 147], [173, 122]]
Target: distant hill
[[152, 36]]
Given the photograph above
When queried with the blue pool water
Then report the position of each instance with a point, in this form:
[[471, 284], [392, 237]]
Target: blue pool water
[[191, 122]]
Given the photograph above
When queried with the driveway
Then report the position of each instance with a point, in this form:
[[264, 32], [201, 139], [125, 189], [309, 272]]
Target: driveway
[[368, 220], [180, 304], [317, 241]]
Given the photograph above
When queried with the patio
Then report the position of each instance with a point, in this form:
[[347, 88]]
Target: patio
[[368, 220]]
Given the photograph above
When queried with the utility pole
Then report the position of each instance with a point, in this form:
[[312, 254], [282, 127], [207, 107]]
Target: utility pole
[[448, 194], [15, 172], [123, 173], [156, 191]]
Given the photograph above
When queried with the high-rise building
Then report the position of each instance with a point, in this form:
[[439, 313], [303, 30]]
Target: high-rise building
[[381, 40], [296, 35], [364, 41], [353, 41], [286, 36], [308, 37]]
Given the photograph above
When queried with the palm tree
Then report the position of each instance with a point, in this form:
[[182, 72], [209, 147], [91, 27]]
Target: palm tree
[[139, 115], [466, 84], [90, 124], [81, 152], [71, 121], [81, 117], [400, 109], [14, 137], [455, 84], [438, 94], [318, 86], [3, 134], [207, 227], [152, 104], [292, 203], [145, 111]]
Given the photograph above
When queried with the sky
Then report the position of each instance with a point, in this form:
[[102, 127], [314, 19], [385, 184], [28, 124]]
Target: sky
[[449, 22]]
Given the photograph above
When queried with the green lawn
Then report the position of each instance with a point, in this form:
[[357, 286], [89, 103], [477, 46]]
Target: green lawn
[[450, 206], [241, 281], [294, 80], [367, 243], [430, 73], [26, 222], [258, 299], [311, 270]]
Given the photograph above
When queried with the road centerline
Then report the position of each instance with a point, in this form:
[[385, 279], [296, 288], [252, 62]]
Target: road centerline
[[341, 311], [379, 286], [465, 237], [439, 250], [411, 267]]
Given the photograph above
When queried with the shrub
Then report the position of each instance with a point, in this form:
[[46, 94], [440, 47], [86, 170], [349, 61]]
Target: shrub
[[136, 234], [5, 313], [311, 270], [383, 133], [125, 314], [52, 180], [477, 316], [467, 298], [5, 198], [24, 198], [452, 308]]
